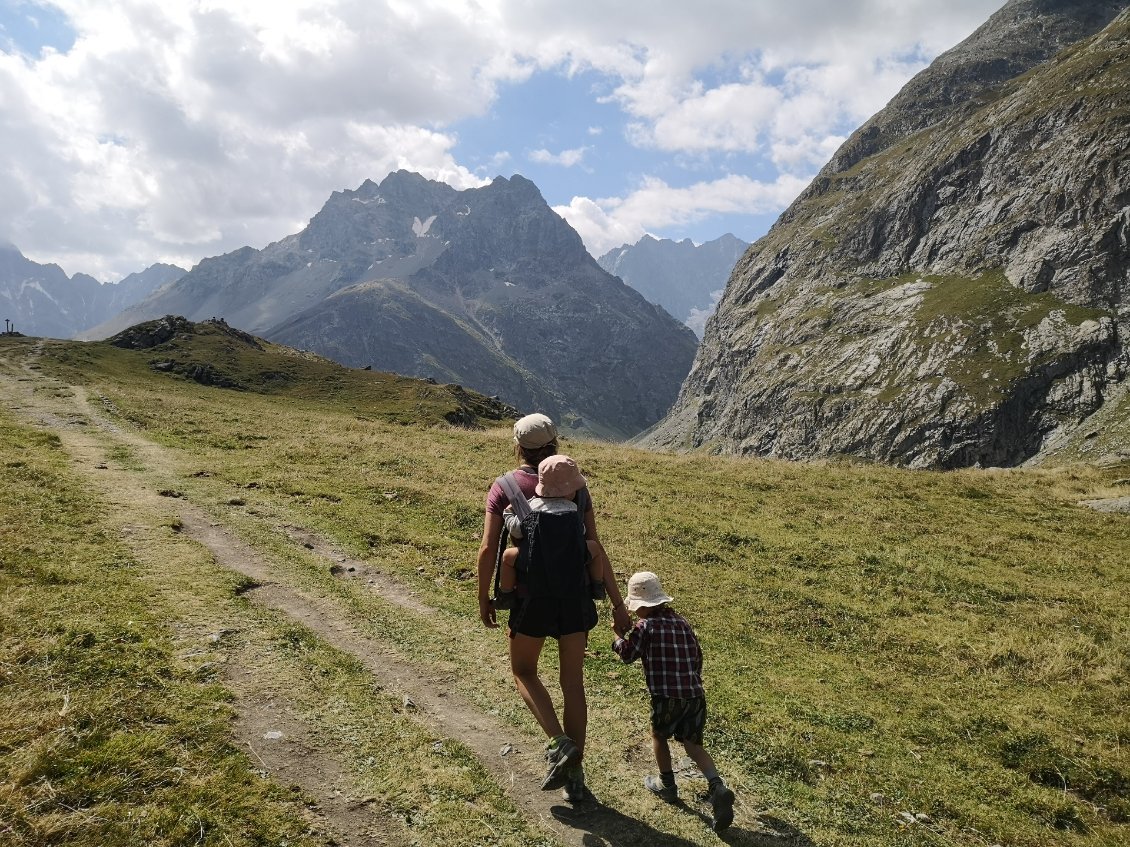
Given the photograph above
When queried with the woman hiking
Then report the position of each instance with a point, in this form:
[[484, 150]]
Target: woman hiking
[[535, 618]]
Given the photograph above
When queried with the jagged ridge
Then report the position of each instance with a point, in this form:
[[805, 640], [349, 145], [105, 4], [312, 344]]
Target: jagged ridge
[[951, 290]]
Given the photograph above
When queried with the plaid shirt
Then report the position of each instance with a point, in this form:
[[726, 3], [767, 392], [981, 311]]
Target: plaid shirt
[[672, 659]]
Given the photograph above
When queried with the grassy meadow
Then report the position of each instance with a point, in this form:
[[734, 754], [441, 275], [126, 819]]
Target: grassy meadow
[[892, 657]]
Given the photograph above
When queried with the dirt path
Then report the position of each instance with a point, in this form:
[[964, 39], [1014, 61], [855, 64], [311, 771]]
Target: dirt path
[[291, 756], [267, 725]]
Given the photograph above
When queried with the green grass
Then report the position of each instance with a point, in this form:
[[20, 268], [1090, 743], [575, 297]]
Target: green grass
[[878, 641], [106, 736], [213, 354], [114, 717]]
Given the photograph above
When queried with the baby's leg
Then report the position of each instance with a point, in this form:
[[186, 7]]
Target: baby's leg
[[508, 576]]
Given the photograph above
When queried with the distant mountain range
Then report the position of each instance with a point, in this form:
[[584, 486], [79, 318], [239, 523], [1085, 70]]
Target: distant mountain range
[[488, 288], [684, 278], [42, 300], [951, 289]]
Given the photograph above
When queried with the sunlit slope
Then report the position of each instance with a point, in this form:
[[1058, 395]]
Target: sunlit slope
[[213, 354]]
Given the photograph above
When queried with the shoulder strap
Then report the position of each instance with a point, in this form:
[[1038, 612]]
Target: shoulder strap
[[521, 508], [503, 537], [514, 494]]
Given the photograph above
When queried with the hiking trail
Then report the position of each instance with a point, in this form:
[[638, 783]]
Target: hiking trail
[[143, 493]]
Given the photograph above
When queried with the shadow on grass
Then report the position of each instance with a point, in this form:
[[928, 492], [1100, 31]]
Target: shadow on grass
[[604, 825]]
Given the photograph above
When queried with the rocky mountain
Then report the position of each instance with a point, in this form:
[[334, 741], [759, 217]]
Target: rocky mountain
[[487, 288], [951, 289], [684, 278], [42, 300]]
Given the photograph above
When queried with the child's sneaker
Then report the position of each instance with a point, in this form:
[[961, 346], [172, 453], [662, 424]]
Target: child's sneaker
[[722, 803], [504, 599], [667, 793], [598, 591], [560, 755]]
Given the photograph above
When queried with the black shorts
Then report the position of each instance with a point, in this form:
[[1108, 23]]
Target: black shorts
[[551, 617], [678, 718]]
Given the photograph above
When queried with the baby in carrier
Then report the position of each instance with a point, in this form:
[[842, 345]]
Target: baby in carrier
[[559, 480]]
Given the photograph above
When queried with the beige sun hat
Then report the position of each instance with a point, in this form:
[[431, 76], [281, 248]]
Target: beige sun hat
[[644, 589], [559, 476], [534, 431]]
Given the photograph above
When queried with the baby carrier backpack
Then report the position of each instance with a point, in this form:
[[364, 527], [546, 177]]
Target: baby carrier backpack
[[552, 555]]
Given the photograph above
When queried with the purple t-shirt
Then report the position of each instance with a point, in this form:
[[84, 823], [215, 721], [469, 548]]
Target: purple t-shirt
[[527, 480]]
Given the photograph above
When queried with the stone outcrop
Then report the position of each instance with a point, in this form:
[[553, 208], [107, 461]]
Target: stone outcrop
[[951, 289], [217, 355]]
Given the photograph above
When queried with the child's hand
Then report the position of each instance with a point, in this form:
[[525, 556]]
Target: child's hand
[[621, 618]]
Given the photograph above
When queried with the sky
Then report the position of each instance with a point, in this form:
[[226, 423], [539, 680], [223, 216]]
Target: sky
[[143, 131]]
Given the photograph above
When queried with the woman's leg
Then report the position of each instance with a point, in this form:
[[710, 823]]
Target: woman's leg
[[571, 649], [524, 654]]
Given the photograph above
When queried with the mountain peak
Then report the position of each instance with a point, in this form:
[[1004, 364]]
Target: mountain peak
[[402, 177], [1018, 37], [682, 277], [485, 287], [517, 186]]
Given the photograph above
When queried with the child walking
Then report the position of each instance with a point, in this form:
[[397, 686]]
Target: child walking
[[672, 665]]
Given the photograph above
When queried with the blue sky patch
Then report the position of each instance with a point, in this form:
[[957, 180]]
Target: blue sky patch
[[29, 28]]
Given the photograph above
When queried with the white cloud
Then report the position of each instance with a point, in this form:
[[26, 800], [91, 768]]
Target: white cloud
[[174, 130], [654, 205], [566, 158], [195, 125], [698, 317]]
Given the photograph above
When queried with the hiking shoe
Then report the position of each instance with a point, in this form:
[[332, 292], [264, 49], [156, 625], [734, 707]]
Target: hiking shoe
[[504, 599], [667, 793], [575, 790], [722, 804], [559, 758]]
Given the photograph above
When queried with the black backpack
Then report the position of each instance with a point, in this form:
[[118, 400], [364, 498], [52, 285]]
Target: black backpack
[[552, 554]]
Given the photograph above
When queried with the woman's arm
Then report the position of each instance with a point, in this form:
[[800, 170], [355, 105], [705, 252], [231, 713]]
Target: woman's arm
[[488, 552], [621, 620]]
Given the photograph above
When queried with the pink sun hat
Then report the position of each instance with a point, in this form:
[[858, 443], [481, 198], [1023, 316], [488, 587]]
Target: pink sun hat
[[559, 476]]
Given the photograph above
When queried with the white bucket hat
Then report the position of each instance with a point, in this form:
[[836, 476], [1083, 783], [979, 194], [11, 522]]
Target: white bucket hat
[[534, 431], [644, 589]]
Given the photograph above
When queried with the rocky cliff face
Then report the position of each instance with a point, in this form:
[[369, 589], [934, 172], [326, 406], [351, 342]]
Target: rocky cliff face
[[487, 288], [952, 287], [684, 278], [43, 300]]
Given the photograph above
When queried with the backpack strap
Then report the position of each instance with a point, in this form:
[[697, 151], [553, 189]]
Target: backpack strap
[[514, 493], [502, 539], [521, 505]]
